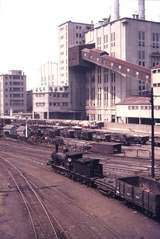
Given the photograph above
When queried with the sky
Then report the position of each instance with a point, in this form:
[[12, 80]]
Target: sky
[[29, 28]]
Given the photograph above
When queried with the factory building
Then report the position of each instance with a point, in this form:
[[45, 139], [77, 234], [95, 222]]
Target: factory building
[[12, 92], [133, 40], [51, 102], [70, 34]]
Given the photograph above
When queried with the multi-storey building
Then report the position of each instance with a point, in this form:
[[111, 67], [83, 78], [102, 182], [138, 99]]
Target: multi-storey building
[[51, 102], [12, 92], [134, 40], [70, 34], [138, 109], [49, 74]]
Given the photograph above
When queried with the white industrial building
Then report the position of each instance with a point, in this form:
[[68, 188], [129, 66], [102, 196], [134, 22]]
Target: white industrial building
[[70, 34], [138, 109], [51, 102], [12, 92]]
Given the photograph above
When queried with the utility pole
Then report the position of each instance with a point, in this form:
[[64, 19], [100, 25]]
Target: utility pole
[[152, 134]]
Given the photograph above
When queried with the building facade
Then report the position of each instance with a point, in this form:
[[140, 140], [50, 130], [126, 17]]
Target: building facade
[[138, 109], [70, 34], [51, 102], [12, 92], [49, 74], [131, 39]]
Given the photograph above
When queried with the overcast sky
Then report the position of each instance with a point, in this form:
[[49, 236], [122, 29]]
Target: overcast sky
[[29, 28]]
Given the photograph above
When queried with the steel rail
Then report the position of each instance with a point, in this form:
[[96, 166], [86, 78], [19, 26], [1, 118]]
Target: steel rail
[[35, 193], [25, 202]]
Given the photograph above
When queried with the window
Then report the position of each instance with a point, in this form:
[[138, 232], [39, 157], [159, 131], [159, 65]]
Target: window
[[105, 75], [155, 39], [99, 75], [141, 39], [99, 117], [99, 42], [113, 38], [105, 39]]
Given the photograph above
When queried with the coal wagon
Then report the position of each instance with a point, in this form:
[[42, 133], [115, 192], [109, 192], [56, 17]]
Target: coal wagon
[[141, 192]]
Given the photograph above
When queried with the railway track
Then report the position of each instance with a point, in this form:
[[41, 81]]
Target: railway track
[[113, 164], [44, 226], [96, 231]]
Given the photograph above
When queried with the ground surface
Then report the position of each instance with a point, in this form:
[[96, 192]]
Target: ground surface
[[82, 212]]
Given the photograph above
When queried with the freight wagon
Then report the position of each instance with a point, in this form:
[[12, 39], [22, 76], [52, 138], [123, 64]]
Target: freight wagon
[[141, 192]]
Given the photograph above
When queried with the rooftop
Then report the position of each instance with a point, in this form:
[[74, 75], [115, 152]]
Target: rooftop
[[124, 19], [81, 23], [135, 100]]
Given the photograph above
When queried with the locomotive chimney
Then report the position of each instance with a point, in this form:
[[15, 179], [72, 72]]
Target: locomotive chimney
[[115, 10], [141, 9]]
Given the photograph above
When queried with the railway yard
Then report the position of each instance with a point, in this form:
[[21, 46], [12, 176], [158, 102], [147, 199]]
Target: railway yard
[[36, 202]]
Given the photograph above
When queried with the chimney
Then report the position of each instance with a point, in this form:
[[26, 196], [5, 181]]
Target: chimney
[[141, 9], [115, 10]]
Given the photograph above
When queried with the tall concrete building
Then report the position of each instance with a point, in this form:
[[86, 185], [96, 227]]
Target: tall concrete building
[[134, 40], [70, 34], [12, 92], [49, 74]]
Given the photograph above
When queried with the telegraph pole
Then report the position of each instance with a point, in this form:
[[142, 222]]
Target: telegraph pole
[[152, 134]]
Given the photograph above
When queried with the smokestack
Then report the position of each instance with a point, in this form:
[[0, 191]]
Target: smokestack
[[141, 9], [115, 10]]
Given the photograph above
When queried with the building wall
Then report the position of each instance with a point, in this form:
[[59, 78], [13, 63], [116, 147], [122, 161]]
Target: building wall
[[49, 100], [133, 40], [104, 89], [70, 34], [124, 39], [123, 112], [12, 92]]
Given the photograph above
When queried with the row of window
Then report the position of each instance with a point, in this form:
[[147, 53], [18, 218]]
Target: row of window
[[14, 95], [142, 107], [15, 77], [42, 104], [13, 83], [156, 85], [55, 95], [58, 103], [155, 39], [14, 89], [65, 88], [155, 71]]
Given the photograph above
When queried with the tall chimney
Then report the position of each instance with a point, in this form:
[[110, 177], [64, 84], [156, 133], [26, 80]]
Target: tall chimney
[[141, 9], [115, 10]]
